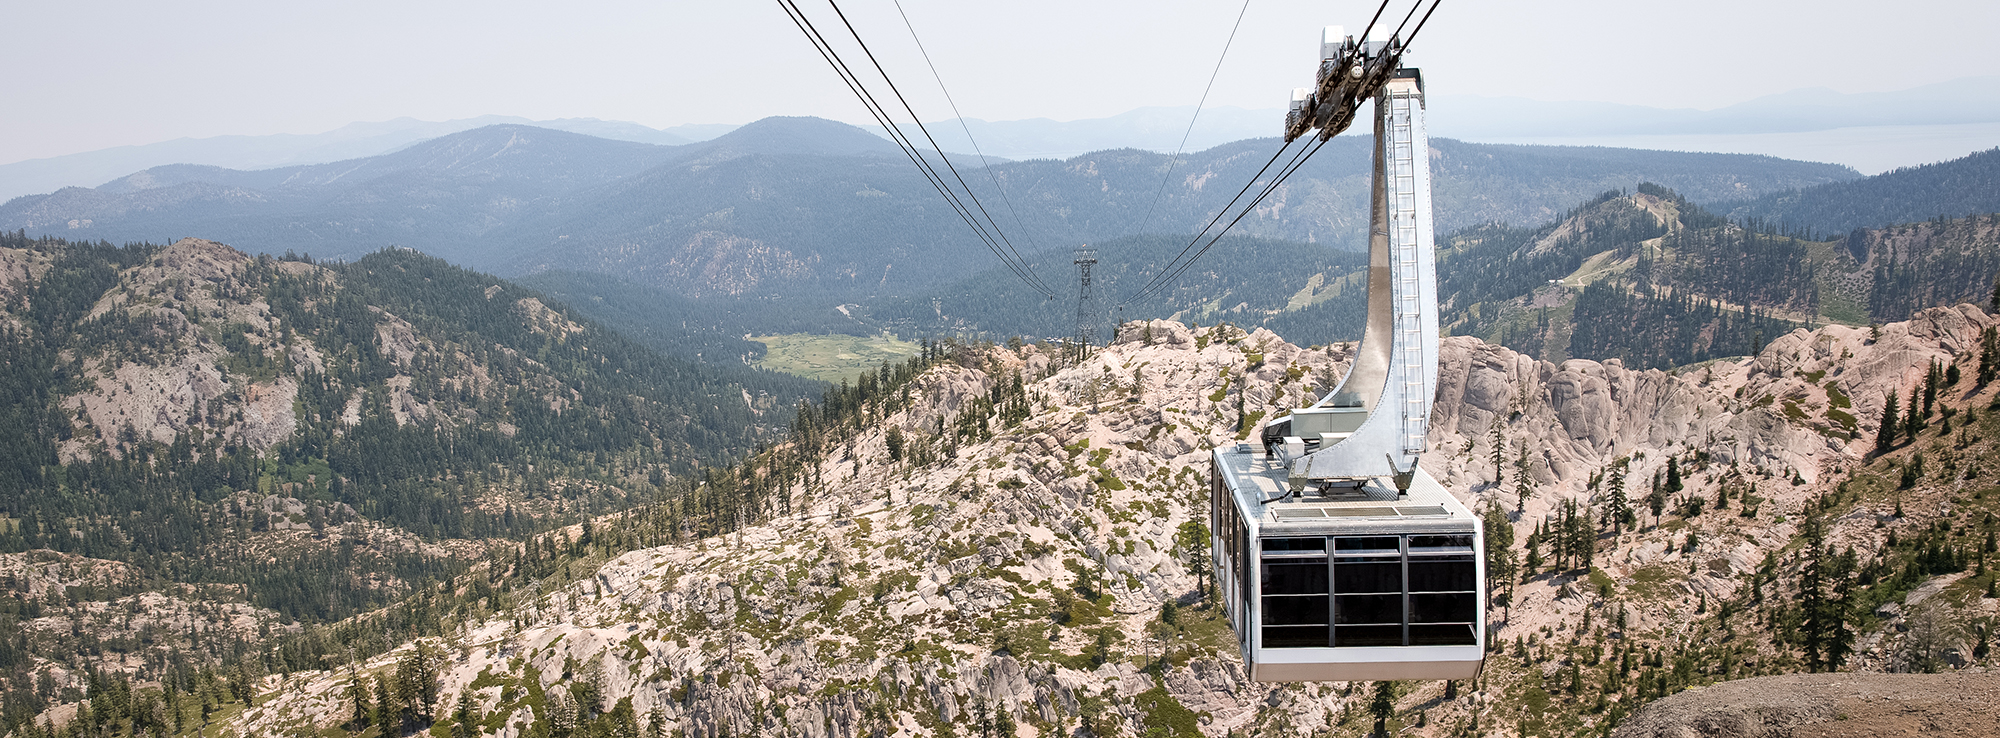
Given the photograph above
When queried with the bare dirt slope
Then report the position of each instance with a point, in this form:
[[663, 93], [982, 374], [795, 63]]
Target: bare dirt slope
[[1827, 706]]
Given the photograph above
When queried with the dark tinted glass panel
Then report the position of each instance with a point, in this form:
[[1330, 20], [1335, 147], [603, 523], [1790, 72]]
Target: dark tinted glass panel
[[1295, 576], [1443, 608], [1295, 636], [1443, 574], [1368, 635], [1384, 543], [1280, 545], [1364, 609], [1304, 610], [1461, 542], [1442, 635], [1371, 574]]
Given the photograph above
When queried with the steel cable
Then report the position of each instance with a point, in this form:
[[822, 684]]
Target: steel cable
[[921, 128], [903, 141], [983, 163]]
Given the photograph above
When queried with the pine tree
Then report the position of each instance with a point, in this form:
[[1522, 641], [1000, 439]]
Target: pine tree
[[1932, 378], [1523, 490], [1383, 707], [1617, 507], [1913, 417], [417, 680], [1656, 502], [388, 713], [1824, 588], [1989, 355], [563, 717], [1499, 443], [1191, 543], [1532, 564], [1500, 566], [465, 719], [1885, 433], [357, 693]]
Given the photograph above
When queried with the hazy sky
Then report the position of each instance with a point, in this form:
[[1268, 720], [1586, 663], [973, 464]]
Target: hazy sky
[[90, 74]]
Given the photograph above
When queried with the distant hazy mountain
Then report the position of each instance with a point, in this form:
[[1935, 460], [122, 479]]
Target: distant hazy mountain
[[454, 196], [1882, 130], [352, 141], [811, 209], [845, 229]]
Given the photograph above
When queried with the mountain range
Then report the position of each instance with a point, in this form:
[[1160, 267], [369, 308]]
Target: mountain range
[[1910, 113], [804, 207], [351, 141]]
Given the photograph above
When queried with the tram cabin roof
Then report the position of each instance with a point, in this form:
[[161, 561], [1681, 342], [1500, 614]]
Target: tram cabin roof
[[1258, 483]]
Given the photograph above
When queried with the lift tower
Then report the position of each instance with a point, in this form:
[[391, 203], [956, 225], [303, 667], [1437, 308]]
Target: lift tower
[[1086, 304], [1340, 559]]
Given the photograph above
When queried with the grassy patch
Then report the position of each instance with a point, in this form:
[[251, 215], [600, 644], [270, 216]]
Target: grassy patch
[[1840, 309], [1653, 582], [1250, 421], [1165, 716], [831, 358], [1600, 580]]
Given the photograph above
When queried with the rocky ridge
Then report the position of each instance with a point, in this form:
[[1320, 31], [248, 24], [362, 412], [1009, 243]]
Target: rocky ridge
[[1027, 575]]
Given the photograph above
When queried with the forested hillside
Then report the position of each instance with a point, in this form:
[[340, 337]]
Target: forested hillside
[[1645, 277], [1654, 280], [1916, 265], [201, 450], [1951, 189]]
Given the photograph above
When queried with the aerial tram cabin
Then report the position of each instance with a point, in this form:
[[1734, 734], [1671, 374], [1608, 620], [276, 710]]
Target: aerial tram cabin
[[1367, 583], [1338, 557]]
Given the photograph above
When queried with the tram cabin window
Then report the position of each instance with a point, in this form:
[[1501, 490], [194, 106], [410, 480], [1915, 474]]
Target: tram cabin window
[[1444, 585], [1363, 591], [1294, 592]]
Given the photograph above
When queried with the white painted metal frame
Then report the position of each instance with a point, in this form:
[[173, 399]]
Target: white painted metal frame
[[1394, 373]]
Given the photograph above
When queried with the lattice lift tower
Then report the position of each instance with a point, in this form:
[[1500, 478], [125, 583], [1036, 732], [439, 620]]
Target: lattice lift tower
[[1086, 304]]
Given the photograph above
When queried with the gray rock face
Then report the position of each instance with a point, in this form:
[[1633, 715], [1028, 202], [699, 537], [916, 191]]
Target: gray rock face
[[1777, 411]]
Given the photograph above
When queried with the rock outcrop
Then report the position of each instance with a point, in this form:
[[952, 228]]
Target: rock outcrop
[[1827, 706]]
